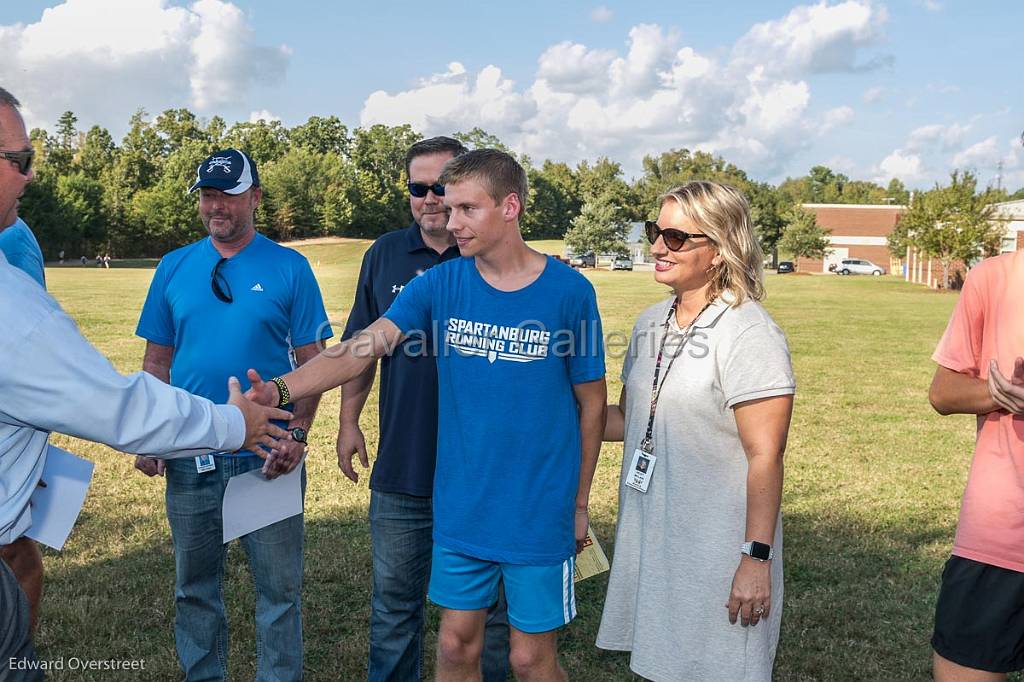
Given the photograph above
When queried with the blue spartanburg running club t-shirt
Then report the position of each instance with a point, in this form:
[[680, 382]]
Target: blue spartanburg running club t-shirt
[[276, 306], [508, 443]]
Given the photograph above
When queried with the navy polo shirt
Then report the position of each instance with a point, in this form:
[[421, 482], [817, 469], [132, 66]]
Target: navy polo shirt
[[407, 447]]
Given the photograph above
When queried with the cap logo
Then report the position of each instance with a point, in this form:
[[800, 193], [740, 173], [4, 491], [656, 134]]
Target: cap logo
[[222, 162]]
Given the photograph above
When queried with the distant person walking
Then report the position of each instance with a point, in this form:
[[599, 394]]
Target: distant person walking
[[106, 261]]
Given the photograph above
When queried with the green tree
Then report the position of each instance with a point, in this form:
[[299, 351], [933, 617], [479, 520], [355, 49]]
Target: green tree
[[96, 153], [478, 138], [378, 155], [321, 135], [952, 223], [553, 203], [262, 141], [600, 228], [307, 194], [178, 127], [803, 237], [897, 192]]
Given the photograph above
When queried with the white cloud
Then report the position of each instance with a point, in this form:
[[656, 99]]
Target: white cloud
[[653, 95], [103, 59], [571, 67], [872, 95], [900, 164], [931, 5], [263, 115], [601, 14], [984, 155], [834, 118], [816, 38], [937, 137]]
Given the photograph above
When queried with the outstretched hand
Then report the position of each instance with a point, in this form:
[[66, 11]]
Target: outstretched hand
[[261, 392], [258, 427]]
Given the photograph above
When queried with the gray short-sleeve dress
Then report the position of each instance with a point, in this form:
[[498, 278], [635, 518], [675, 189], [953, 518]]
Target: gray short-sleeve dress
[[677, 546]]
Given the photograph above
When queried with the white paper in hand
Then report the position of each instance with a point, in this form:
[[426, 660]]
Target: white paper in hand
[[55, 508], [252, 502]]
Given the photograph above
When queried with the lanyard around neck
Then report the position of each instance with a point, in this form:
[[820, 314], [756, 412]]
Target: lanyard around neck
[[647, 445]]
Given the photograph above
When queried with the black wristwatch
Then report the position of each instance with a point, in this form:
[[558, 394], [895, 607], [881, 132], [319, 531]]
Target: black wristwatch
[[758, 550], [299, 435]]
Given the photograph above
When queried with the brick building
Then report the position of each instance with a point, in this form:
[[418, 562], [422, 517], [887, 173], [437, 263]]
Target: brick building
[[857, 231]]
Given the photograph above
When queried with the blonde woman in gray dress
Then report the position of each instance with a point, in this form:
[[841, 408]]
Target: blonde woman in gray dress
[[695, 591]]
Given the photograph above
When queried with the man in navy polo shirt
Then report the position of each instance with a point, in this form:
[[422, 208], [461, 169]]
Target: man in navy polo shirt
[[401, 518], [216, 307]]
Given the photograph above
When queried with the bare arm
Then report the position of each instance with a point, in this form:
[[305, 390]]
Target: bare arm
[[156, 361], [763, 427], [615, 426], [350, 436], [592, 398], [333, 367], [305, 408], [957, 393]]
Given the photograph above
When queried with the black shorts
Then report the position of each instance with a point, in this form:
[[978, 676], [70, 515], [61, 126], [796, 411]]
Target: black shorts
[[979, 618]]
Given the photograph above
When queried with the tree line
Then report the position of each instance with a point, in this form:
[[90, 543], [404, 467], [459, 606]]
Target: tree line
[[320, 178]]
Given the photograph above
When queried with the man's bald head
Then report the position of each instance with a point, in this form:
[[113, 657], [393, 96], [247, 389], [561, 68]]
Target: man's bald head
[[8, 100]]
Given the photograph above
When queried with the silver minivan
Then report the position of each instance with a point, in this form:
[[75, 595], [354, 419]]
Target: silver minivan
[[859, 266]]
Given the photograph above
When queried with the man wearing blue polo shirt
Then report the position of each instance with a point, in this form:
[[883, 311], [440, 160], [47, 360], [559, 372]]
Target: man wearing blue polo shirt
[[20, 247], [520, 364], [401, 517], [233, 300]]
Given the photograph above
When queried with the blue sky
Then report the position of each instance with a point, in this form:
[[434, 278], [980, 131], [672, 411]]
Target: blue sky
[[910, 89]]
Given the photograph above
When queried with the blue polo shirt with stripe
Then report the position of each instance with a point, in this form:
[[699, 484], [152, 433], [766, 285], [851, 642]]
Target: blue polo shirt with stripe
[[407, 447], [276, 306]]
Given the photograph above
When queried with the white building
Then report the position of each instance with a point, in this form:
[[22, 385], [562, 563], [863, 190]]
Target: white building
[[1011, 213]]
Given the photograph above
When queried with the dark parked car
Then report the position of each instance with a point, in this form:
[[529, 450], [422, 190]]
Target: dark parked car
[[785, 266]]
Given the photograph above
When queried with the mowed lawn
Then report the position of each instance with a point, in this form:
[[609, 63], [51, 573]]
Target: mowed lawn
[[873, 484]]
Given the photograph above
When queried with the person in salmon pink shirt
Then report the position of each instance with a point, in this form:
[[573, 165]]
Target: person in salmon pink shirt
[[979, 618]]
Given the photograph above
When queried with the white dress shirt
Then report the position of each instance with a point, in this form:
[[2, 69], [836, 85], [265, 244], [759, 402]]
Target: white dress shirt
[[52, 379]]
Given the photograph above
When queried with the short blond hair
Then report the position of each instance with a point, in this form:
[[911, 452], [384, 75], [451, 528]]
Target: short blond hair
[[723, 213]]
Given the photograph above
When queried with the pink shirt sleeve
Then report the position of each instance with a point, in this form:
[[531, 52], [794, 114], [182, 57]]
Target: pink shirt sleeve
[[960, 348]]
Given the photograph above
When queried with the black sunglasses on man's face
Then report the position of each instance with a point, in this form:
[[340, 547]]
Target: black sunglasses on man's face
[[23, 159], [674, 239], [420, 189], [220, 286]]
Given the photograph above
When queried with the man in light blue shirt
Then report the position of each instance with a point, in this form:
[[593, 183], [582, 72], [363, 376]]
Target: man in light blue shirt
[[54, 380], [20, 247], [230, 301]]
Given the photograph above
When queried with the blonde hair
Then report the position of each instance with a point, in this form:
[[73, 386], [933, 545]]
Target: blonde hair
[[723, 213]]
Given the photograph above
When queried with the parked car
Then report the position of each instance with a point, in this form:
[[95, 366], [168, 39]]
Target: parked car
[[586, 260], [859, 266], [622, 263], [785, 266]]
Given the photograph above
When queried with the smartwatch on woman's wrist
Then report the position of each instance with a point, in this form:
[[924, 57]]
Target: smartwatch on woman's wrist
[[758, 550]]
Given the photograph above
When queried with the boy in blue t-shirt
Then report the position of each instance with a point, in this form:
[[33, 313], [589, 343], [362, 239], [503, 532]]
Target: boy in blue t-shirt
[[521, 391]]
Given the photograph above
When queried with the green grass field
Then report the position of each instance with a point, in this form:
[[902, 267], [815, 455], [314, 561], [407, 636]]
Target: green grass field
[[873, 483]]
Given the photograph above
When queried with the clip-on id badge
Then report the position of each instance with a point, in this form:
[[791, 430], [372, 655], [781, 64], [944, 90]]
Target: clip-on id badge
[[641, 468], [205, 463]]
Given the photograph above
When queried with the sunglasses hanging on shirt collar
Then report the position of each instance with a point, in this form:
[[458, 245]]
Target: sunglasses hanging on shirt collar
[[220, 286]]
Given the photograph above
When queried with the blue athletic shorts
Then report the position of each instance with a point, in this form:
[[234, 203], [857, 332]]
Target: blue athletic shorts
[[540, 598]]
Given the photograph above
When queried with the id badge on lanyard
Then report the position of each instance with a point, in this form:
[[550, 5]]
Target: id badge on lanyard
[[641, 468]]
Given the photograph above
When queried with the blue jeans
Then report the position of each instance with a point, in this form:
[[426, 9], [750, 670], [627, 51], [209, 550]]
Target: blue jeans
[[401, 528], [275, 559]]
